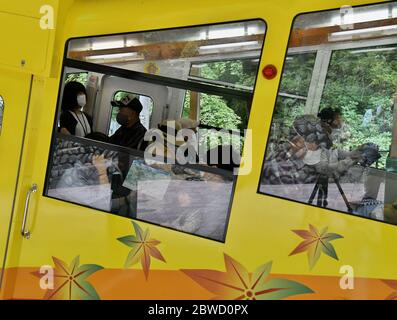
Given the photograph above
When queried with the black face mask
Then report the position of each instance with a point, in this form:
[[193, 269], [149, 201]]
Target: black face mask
[[122, 119]]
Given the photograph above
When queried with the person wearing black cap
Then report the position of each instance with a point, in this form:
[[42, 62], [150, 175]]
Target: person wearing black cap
[[131, 133], [73, 120]]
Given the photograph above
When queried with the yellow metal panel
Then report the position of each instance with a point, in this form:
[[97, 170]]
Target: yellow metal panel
[[26, 46], [29, 8], [28, 51], [14, 88]]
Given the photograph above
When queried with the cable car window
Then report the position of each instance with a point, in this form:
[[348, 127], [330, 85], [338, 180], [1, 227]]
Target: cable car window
[[161, 173], [165, 52], [339, 150], [145, 114], [1, 112]]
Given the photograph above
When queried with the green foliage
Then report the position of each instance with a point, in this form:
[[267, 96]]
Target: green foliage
[[186, 105], [368, 83], [296, 80], [298, 73], [215, 112], [81, 77], [356, 82], [120, 95], [287, 109], [223, 112], [235, 72]]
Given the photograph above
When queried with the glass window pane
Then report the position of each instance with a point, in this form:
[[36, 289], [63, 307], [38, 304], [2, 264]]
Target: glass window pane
[[333, 139], [364, 95], [116, 180], [164, 143], [292, 97], [297, 74], [240, 74], [166, 52]]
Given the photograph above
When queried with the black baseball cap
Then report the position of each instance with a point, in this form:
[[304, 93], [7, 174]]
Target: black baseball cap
[[134, 104]]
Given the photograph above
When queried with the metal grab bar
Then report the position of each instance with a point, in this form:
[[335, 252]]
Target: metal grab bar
[[26, 233]]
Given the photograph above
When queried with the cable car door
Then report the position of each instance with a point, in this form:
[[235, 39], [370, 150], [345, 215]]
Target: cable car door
[[14, 104], [52, 240], [46, 234]]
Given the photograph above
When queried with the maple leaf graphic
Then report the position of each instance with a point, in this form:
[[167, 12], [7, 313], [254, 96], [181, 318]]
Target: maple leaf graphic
[[237, 284], [316, 242], [392, 284], [70, 281], [143, 247]]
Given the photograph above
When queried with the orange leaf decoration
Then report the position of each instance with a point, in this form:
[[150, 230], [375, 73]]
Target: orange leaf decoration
[[314, 243], [69, 282], [142, 248], [392, 284], [237, 284]]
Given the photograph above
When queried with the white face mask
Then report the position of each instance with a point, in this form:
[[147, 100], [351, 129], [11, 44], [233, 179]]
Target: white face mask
[[312, 157], [81, 100]]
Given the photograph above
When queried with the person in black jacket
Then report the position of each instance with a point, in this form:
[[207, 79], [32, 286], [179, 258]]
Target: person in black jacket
[[132, 132], [73, 120], [131, 135]]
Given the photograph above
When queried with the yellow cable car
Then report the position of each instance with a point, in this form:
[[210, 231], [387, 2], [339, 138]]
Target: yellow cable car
[[311, 211]]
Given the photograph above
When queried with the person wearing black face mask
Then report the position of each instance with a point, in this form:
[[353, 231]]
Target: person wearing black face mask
[[131, 133]]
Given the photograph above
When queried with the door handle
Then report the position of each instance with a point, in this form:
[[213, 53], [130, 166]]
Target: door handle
[[26, 233]]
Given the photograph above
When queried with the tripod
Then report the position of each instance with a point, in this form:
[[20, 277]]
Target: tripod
[[321, 187]]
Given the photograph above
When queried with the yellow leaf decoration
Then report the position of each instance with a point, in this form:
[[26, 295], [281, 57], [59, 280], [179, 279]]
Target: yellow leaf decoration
[[70, 282], [316, 242], [237, 284], [143, 248]]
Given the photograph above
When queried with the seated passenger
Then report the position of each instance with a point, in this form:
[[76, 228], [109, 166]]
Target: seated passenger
[[132, 132], [73, 120]]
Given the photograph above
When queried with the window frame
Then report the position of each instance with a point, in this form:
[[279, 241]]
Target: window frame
[[154, 79], [316, 48]]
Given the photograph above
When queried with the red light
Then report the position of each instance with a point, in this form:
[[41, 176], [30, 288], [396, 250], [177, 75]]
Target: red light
[[269, 72]]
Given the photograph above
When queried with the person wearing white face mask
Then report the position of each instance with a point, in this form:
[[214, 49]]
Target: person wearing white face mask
[[73, 120]]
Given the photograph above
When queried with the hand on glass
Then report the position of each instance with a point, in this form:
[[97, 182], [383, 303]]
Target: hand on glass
[[100, 163]]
